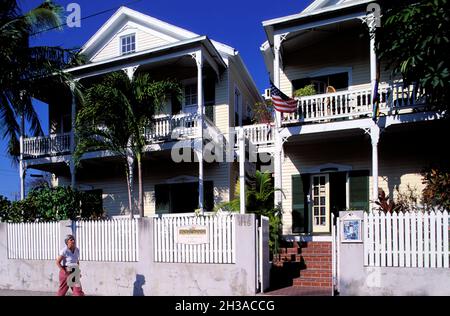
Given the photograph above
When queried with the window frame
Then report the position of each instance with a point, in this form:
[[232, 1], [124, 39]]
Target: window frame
[[131, 35]]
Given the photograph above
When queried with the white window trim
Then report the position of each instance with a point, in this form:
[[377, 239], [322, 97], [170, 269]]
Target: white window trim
[[126, 34], [188, 82], [184, 83]]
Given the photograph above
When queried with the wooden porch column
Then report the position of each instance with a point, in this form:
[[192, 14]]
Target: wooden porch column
[[22, 167], [375, 137], [242, 169], [278, 142], [72, 137], [371, 23], [375, 129], [200, 113]]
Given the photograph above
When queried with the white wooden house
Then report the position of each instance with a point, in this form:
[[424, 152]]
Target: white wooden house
[[217, 89], [334, 156], [331, 155]]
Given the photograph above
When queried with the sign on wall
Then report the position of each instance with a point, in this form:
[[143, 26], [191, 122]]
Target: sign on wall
[[351, 228], [192, 235]]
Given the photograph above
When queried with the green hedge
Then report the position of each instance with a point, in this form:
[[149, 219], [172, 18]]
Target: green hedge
[[46, 204]]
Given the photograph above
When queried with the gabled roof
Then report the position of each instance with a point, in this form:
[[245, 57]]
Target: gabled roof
[[170, 32], [320, 4], [316, 8]]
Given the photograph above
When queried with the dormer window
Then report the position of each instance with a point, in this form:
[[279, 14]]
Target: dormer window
[[128, 44]]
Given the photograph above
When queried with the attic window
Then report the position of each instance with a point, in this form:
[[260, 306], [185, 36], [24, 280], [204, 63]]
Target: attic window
[[128, 44]]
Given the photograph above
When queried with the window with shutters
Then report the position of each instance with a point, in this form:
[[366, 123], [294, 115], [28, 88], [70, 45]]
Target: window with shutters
[[300, 210], [182, 197], [359, 190]]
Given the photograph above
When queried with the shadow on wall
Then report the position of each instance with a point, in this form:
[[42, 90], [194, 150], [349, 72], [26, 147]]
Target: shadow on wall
[[137, 286]]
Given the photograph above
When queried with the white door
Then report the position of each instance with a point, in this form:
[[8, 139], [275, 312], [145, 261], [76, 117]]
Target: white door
[[320, 203]]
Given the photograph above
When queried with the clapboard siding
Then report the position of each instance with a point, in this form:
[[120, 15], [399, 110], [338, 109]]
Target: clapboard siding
[[236, 80], [396, 168], [144, 41], [221, 107], [343, 51], [115, 196]]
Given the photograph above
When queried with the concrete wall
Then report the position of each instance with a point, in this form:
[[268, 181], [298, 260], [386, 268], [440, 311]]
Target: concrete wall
[[144, 277], [356, 279]]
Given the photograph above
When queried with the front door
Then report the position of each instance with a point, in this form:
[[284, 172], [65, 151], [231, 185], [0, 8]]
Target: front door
[[320, 193]]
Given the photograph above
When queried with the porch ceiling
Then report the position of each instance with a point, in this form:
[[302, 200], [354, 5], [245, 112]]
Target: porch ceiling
[[327, 137], [306, 39]]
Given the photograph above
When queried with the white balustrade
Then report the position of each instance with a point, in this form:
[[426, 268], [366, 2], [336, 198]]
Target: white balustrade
[[49, 145], [260, 134], [355, 103]]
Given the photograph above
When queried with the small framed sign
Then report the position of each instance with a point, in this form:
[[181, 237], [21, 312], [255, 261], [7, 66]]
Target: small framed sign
[[352, 230], [192, 235]]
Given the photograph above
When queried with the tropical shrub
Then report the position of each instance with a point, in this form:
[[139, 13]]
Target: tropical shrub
[[5, 204], [436, 193], [386, 203], [407, 200], [260, 201], [46, 204], [262, 112]]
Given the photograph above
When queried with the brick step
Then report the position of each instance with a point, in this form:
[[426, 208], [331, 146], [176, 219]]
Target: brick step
[[318, 265], [312, 282], [315, 244], [310, 258], [315, 273], [307, 251]]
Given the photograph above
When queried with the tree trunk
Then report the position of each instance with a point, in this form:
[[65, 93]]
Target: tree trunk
[[131, 183], [130, 164], [141, 187], [128, 187]]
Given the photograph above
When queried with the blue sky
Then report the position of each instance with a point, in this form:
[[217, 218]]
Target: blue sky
[[233, 22]]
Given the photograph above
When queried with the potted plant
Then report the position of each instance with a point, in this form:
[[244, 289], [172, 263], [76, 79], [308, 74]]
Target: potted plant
[[305, 91]]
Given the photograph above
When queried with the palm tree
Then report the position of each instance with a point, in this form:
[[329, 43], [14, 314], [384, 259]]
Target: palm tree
[[260, 201], [114, 116], [26, 71]]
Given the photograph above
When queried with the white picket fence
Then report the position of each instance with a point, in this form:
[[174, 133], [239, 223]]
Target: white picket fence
[[219, 249], [33, 241], [108, 240], [406, 239]]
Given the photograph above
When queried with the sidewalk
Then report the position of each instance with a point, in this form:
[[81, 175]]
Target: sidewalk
[[24, 293]]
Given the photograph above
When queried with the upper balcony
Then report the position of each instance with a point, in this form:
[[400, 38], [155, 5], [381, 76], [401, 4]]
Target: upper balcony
[[356, 103], [166, 128]]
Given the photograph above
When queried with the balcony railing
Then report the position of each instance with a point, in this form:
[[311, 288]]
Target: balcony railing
[[172, 128], [260, 134], [167, 128], [49, 145], [354, 103]]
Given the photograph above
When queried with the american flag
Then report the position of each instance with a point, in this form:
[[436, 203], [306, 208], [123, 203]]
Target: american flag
[[281, 102]]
